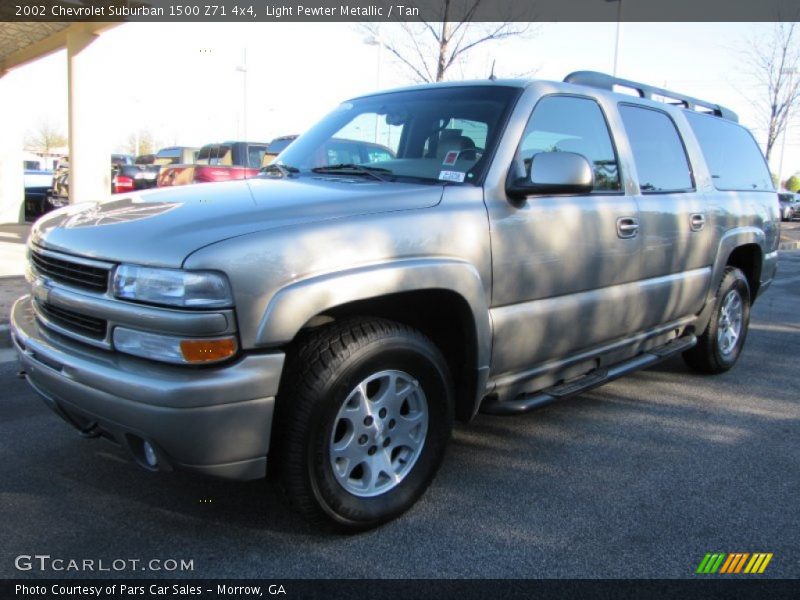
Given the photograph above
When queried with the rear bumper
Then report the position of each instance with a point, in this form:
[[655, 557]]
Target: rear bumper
[[211, 420]]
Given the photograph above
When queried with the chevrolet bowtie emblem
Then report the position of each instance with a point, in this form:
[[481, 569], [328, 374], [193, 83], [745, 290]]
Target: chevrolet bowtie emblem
[[41, 290]]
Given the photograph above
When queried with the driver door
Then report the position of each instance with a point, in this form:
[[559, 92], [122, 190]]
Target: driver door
[[565, 266]]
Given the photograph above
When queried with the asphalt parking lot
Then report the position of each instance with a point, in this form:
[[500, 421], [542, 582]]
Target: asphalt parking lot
[[639, 478]]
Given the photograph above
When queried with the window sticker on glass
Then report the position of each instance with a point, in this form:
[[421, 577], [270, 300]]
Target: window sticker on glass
[[450, 158], [456, 176]]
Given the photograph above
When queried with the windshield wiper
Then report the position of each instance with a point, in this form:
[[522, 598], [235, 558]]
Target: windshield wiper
[[354, 169], [279, 170]]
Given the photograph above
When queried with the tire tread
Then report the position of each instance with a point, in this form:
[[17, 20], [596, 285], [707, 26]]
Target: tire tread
[[315, 358]]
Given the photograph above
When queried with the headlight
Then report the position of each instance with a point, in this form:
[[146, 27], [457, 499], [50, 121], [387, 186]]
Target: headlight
[[172, 287]]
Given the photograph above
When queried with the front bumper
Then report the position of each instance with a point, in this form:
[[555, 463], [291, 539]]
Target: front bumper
[[212, 420]]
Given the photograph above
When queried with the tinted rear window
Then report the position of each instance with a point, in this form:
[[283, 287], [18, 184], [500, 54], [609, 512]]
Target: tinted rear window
[[255, 154], [657, 150], [215, 154], [732, 155]]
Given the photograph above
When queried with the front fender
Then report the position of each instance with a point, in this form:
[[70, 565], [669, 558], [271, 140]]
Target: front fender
[[295, 304]]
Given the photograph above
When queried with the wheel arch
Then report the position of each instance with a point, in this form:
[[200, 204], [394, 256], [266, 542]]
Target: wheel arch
[[743, 248], [443, 298]]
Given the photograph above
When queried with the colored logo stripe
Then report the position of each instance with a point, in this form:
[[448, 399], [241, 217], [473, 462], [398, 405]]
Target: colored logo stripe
[[758, 563], [711, 562], [734, 562]]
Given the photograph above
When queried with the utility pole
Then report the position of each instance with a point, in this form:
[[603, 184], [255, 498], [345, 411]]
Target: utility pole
[[791, 73], [243, 70]]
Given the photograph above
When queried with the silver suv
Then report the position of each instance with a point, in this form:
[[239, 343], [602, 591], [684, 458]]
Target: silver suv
[[521, 242]]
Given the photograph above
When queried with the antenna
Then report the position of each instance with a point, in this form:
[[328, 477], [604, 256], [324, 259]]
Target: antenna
[[492, 76]]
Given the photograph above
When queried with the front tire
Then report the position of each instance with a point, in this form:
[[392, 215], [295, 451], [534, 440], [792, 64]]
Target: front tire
[[720, 345], [364, 413]]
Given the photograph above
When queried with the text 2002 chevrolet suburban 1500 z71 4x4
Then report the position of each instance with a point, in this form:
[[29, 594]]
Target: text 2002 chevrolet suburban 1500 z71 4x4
[[527, 241]]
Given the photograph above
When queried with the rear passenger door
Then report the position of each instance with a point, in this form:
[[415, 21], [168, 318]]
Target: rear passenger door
[[674, 229]]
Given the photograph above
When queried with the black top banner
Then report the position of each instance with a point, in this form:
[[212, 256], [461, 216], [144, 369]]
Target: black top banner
[[399, 10]]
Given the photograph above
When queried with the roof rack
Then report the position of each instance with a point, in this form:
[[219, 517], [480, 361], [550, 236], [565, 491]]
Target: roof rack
[[608, 82]]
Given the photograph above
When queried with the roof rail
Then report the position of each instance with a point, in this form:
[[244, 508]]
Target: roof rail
[[607, 82]]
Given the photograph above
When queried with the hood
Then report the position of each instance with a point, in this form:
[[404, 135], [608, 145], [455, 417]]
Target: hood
[[162, 227]]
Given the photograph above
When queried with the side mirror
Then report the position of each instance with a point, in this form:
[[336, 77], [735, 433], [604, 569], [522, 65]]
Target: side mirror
[[554, 173]]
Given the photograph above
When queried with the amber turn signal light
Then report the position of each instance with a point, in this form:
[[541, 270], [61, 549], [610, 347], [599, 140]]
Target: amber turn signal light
[[202, 351]]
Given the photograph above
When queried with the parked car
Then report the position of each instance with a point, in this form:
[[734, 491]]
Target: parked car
[[37, 188], [130, 178], [145, 159], [790, 206], [143, 174], [338, 151], [122, 159], [217, 162], [276, 146], [172, 155], [527, 241]]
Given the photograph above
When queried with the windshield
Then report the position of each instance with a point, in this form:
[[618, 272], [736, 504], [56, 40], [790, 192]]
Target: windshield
[[444, 134]]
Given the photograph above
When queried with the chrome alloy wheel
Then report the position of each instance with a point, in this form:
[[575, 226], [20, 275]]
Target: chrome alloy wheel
[[729, 325], [378, 433]]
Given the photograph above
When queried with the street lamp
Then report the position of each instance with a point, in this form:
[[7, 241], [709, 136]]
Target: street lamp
[[619, 34], [376, 40], [242, 68], [791, 73]]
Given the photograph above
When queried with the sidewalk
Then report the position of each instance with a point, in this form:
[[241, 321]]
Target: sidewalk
[[12, 270], [790, 235], [12, 249]]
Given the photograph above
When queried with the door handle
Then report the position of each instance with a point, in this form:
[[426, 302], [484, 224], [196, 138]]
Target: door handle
[[627, 227], [698, 221]]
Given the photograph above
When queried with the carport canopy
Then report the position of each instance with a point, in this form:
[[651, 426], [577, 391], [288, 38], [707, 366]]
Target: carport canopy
[[89, 148]]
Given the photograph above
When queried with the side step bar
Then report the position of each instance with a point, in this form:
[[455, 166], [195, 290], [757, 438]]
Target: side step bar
[[596, 378]]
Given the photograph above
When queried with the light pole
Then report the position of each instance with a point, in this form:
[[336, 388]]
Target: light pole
[[619, 34], [243, 70], [376, 40], [791, 73]]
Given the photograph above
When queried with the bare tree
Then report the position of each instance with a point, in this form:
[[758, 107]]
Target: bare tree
[[428, 50], [45, 137], [774, 61], [140, 142]]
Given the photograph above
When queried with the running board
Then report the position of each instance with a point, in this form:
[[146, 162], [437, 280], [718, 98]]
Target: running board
[[590, 381]]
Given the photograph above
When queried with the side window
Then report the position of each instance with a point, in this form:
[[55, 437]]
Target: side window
[[731, 153], [254, 156], [570, 124], [657, 150]]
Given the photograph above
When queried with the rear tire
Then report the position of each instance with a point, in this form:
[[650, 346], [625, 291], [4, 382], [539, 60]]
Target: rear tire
[[720, 345], [364, 415]]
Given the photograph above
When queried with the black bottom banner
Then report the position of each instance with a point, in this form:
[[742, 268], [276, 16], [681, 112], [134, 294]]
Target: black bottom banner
[[410, 589]]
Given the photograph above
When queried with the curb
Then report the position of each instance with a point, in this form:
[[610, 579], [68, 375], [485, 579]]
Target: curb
[[789, 246], [5, 336]]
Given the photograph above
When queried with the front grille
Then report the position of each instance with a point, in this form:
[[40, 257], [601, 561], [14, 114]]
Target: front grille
[[70, 273], [75, 322]]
